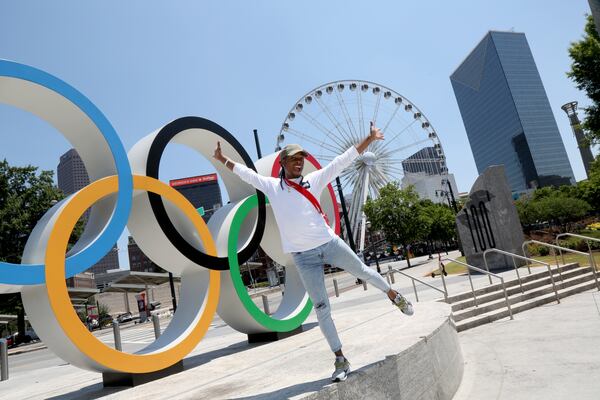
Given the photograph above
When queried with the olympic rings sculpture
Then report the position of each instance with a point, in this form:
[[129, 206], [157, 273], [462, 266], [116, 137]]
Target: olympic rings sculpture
[[125, 191]]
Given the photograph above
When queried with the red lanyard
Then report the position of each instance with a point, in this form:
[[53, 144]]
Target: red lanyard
[[309, 196]]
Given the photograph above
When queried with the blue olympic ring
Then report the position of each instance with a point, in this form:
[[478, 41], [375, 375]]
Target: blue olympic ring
[[33, 274]]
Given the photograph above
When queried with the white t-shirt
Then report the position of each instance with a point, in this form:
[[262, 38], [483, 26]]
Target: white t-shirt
[[300, 225]]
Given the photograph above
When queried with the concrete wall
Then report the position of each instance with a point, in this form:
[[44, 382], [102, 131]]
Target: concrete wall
[[430, 369]]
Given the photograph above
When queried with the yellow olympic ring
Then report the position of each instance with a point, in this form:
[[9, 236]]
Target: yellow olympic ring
[[59, 298]]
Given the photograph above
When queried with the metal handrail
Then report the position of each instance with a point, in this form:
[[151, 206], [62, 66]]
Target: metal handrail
[[444, 292], [560, 248], [525, 243], [577, 236], [587, 240], [486, 252], [489, 274]]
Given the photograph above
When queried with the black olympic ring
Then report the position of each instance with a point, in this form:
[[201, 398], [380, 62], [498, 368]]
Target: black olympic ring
[[162, 138]]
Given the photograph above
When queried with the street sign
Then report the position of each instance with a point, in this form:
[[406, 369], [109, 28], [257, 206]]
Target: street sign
[[201, 211]]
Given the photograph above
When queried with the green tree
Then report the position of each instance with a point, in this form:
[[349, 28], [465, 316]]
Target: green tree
[[585, 71], [542, 193], [556, 206], [103, 312], [25, 196], [442, 225], [398, 214], [562, 210], [527, 210], [589, 189]]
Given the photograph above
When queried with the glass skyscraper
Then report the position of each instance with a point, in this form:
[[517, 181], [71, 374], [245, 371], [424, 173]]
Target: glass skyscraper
[[507, 114]]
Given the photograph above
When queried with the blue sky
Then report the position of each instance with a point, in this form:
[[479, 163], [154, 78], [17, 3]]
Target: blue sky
[[243, 64]]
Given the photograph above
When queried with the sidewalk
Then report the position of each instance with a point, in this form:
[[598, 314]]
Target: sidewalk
[[421, 268], [225, 366], [550, 352]]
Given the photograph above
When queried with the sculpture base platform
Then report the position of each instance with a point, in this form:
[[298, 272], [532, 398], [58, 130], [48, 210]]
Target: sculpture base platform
[[110, 379], [393, 356], [272, 336]]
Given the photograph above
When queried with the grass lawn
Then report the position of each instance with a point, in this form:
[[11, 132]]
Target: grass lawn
[[453, 268], [591, 233]]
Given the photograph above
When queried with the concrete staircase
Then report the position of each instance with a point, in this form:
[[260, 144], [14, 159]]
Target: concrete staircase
[[537, 290]]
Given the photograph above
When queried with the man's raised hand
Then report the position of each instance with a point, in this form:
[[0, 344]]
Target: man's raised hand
[[218, 153], [375, 133]]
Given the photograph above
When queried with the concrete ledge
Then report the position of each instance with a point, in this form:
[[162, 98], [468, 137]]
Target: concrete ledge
[[430, 369], [393, 357]]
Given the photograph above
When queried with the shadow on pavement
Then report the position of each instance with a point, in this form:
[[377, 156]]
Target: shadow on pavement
[[97, 390], [197, 360], [91, 392], [295, 390]]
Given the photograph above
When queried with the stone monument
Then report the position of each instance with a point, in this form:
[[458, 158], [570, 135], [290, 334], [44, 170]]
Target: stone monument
[[489, 219]]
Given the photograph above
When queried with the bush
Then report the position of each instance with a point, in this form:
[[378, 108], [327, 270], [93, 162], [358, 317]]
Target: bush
[[536, 250], [579, 244], [544, 251]]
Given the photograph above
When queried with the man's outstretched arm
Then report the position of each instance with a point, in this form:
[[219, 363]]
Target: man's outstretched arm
[[248, 175]]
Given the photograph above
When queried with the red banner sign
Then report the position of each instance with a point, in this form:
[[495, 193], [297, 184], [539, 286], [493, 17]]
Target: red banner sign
[[193, 179]]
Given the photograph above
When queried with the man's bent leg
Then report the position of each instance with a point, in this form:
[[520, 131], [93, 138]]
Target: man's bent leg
[[340, 255]]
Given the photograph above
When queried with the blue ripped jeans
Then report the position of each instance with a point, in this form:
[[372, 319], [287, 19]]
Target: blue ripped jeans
[[310, 267]]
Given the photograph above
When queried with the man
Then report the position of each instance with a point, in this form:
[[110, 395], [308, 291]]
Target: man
[[306, 234]]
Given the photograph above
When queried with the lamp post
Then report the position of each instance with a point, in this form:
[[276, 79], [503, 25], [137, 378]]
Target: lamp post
[[443, 193], [368, 225], [450, 194], [172, 287], [258, 152]]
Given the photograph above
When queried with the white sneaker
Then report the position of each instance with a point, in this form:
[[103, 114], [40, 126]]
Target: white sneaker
[[342, 369], [403, 304]]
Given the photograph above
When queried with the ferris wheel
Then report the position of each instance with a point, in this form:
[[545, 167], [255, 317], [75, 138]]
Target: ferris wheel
[[329, 119]]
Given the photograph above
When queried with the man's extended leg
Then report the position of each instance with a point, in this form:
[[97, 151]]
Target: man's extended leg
[[338, 254]]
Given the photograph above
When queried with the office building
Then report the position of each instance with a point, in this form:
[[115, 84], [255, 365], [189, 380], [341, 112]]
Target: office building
[[72, 176], [507, 115], [82, 280], [138, 261], [595, 7], [426, 171], [433, 187], [425, 161], [71, 173], [108, 262], [202, 191]]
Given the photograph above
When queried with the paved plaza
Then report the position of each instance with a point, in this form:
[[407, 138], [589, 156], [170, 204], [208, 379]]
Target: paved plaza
[[544, 351]]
